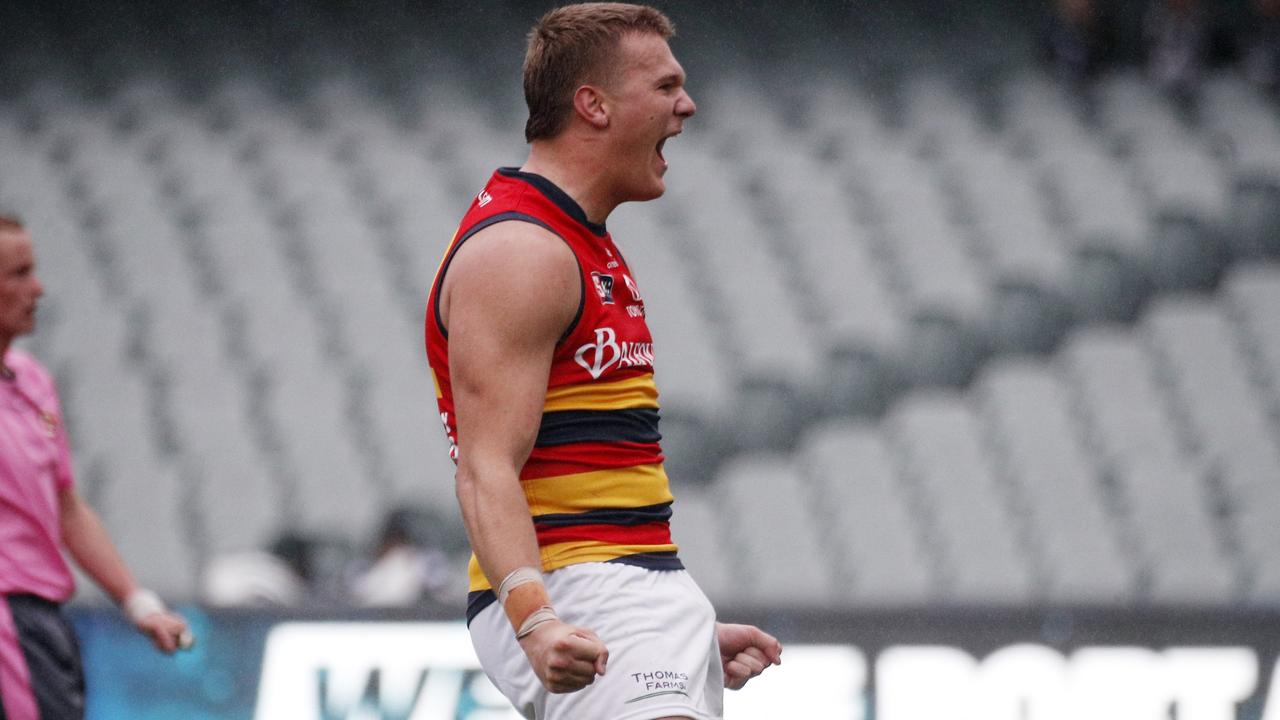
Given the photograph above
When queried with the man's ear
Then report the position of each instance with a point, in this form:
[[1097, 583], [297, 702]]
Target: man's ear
[[589, 104]]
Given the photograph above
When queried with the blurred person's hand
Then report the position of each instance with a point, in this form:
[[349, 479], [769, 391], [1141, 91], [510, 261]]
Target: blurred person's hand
[[168, 631]]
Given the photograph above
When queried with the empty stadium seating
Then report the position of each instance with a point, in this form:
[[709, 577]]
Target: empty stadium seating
[[916, 346]]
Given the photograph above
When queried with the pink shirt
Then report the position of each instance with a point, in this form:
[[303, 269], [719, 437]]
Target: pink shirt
[[35, 463]]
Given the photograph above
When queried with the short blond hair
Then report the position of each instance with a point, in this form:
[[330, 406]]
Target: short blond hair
[[574, 44]]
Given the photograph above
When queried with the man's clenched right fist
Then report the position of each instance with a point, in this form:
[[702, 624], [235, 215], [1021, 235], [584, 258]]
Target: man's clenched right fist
[[565, 658]]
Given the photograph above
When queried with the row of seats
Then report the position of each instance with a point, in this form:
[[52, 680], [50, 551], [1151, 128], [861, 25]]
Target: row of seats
[[1131, 467], [955, 237], [256, 271]]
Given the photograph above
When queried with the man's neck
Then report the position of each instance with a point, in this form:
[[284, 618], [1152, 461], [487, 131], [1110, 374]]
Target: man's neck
[[576, 169]]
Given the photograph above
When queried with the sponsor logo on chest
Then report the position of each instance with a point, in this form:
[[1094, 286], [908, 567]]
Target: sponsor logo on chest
[[607, 352]]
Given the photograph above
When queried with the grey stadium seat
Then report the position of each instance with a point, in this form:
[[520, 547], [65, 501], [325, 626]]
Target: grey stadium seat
[[1210, 379], [970, 529], [1120, 399], [697, 522], [1170, 510], [863, 331], [776, 380], [1242, 118], [1108, 230], [944, 292], [868, 524], [1029, 259], [768, 523], [1253, 293], [695, 384], [1189, 196], [1028, 411]]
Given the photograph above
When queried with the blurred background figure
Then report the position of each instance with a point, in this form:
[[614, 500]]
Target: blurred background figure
[[43, 517], [411, 561], [1260, 45], [1079, 40], [1181, 42], [276, 576], [298, 569]]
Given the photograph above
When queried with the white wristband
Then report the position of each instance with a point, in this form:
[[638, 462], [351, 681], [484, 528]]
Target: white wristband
[[142, 604], [516, 578], [538, 618]]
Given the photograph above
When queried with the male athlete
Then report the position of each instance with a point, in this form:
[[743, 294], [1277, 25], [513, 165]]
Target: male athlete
[[544, 367], [41, 514]]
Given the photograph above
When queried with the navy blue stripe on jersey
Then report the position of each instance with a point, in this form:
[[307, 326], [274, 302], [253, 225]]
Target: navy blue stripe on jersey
[[608, 516], [652, 561], [565, 427], [478, 600]]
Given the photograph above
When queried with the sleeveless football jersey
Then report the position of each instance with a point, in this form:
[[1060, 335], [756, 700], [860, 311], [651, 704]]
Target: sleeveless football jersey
[[595, 482]]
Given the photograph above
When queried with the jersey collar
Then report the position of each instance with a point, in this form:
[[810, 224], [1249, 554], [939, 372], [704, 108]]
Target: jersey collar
[[557, 196]]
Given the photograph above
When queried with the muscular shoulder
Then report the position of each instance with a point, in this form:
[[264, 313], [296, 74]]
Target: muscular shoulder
[[516, 248], [517, 269]]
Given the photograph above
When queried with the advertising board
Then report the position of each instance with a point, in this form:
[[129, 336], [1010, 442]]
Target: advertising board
[[878, 666]]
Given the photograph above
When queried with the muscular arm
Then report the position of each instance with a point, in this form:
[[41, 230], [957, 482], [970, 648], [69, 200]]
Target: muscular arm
[[510, 293]]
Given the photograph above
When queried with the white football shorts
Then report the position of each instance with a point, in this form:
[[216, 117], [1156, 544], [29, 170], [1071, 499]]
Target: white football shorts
[[660, 631]]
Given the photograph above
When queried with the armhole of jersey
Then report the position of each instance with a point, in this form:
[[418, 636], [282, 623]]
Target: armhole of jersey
[[503, 217]]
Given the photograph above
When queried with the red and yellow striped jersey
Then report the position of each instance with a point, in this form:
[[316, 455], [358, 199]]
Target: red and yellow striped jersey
[[595, 482]]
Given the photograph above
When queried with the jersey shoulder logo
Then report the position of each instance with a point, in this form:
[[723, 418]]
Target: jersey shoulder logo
[[603, 283], [484, 198]]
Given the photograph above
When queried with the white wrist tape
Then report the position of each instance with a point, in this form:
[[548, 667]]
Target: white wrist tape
[[516, 578], [538, 618], [142, 604]]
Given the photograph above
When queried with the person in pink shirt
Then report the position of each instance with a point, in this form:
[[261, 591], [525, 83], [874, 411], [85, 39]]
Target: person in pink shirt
[[41, 514]]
